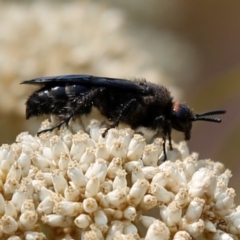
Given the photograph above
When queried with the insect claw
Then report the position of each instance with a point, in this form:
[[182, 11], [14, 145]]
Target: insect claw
[[105, 133]]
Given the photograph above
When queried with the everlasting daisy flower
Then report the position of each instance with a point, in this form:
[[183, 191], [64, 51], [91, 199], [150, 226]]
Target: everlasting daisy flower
[[64, 185]]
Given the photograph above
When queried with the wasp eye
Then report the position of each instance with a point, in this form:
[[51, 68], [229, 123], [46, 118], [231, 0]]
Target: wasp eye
[[181, 111], [181, 119]]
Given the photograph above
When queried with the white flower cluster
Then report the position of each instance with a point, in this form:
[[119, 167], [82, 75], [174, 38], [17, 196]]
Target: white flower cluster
[[84, 186]]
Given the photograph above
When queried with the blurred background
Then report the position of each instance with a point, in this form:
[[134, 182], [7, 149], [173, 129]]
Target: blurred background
[[191, 47]]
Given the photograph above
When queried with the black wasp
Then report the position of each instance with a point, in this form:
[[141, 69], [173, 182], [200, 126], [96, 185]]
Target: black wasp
[[137, 103]]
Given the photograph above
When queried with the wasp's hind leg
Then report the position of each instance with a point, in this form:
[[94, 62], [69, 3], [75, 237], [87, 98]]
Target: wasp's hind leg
[[57, 126], [125, 110]]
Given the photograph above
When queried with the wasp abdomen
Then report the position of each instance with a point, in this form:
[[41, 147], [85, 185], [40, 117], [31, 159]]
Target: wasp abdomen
[[57, 100]]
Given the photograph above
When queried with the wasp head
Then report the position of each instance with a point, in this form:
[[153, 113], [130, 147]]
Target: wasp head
[[182, 118]]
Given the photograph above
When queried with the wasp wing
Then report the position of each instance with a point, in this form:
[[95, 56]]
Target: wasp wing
[[93, 81]]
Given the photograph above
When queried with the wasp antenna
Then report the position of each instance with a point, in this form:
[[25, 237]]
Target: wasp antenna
[[202, 116], [207, 119], [210, 113]]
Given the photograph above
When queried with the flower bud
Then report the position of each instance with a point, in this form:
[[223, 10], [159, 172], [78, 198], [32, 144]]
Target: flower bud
[[158, 230]]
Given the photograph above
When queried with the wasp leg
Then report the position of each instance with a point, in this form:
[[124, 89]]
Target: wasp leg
[[170, 141], [164, 148], [64, 121], [162, 123], [125, 110]]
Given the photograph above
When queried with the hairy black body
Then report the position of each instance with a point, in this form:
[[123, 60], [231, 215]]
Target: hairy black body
[[137, 103]]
